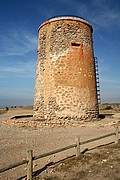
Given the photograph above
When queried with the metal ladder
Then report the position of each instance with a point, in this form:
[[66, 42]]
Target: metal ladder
[[97, 80]]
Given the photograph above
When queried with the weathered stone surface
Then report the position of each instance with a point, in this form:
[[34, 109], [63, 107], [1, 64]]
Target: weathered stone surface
[[65, 87]]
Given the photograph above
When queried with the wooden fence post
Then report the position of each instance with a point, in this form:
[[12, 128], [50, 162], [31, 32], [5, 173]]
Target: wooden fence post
[[77, 140], [29, 164], [116, 134]]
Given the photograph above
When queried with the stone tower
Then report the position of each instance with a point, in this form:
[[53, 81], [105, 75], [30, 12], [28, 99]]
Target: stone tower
[[65, 88]]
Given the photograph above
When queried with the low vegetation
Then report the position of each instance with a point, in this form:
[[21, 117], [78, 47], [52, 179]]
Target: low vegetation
[[102, 163], [3, 110], [109, 107]]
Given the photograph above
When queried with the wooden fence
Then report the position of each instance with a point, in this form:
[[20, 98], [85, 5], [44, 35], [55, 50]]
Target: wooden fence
[[78, 143]]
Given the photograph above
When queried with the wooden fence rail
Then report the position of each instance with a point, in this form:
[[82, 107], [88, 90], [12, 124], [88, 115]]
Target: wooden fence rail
[[98, 138], [54, 152], [31, 158], [13, 165]]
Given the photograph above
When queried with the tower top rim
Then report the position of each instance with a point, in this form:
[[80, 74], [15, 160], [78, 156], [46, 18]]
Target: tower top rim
[[68, 18]]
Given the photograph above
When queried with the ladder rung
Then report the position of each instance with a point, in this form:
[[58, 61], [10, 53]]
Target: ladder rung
[[97, 79]]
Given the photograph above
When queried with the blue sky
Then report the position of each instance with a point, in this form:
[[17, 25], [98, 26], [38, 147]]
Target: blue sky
[[19, 21]]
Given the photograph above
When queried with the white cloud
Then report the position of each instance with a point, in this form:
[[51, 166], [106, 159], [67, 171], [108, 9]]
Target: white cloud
[[103, 67], [106, 18], [109, 89], [110, 81], [104, 13], [17, 41], [99, 12], [21, 69]]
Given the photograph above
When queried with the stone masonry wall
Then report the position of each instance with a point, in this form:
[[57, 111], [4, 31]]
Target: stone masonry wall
[[65, 87]]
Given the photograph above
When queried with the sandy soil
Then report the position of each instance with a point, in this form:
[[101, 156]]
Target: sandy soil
[[16, 139], [102, 163]]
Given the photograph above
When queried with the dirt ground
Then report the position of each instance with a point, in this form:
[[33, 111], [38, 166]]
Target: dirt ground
[[19, 135], [102, 163]]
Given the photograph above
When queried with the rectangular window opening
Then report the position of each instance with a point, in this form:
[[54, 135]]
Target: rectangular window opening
[[75, 44]]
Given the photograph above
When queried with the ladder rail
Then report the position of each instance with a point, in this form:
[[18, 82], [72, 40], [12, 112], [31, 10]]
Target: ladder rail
[[97, 79]]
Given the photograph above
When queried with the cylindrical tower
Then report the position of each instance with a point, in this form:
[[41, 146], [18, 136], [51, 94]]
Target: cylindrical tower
[[65, 88]]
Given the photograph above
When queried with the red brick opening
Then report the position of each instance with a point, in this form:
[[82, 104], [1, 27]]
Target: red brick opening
[[75, 44]]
